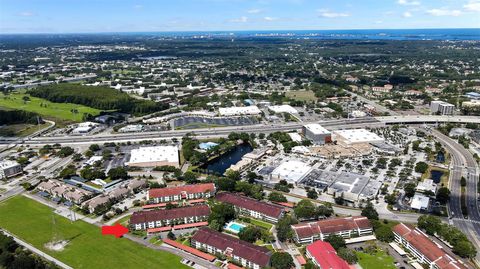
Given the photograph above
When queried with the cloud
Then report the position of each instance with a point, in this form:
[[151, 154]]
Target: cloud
[[408, 2], [242, 19], [137, 6], [25, 14], [328, 14], [473, 5], [407, 14], [444, 12], [254, 11], [269, 18]]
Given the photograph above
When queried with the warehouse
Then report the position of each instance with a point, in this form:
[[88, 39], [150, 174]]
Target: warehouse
[[318, 134], [291, 171], [239, 111], [154, 156], [356, 136], [283, 109]]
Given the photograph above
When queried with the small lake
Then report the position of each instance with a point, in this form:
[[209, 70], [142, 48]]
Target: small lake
[[440, 157], [436, 175], [221, 164]]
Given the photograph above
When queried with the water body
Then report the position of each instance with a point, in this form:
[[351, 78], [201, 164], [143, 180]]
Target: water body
[[440, 157], [221, 164], [436, 175]]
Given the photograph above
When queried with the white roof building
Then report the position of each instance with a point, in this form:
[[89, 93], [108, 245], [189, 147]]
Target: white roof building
[[295, 137], [316, 128], [420, 202], [427, 185], [155, 156], [283, 109], [356, 136], [238, 111], [291, 171]]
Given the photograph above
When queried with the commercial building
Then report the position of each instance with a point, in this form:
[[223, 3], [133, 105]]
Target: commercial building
[[427, 185], [309, 232], [155, 156], [324, 256], [239, 111], [252, 208], [356, 136], [166, 217], [441, 107], [178, 193], [283, 109], [420, 202], [9, 169], [291, 171], [241, 252], [85, 127], [425, 250], [471, 104], [318, 134]]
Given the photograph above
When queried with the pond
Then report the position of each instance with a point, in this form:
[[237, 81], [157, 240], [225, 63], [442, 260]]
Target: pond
[[221, 164], [440, 157], [436, 175]]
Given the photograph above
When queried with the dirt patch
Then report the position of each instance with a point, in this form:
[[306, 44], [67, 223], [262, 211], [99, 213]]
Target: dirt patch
[[56, 245]]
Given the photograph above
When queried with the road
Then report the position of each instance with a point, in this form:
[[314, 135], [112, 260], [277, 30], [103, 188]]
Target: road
[[463, 164], [37, 251]]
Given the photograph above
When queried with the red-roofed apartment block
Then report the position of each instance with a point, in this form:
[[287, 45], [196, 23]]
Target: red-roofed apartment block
[[143, 220], [319, 230], [324, 256], [178, 193], [424, 249]]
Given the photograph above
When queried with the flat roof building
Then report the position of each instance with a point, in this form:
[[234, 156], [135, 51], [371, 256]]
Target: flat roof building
[[291, 171], [239, 111], [356, 136], [441, 107], [154, 156], [318, 134], [283, 109], [420, 202], [9, 169], [250, 207]]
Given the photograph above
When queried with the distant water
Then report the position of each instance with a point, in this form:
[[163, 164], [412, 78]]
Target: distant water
[[396, 34]]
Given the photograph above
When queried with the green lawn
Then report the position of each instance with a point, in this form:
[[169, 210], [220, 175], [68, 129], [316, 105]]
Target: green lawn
[[261, 224], [87, 248], [48, 109], [378, 261], [302, 95], [22, 129]]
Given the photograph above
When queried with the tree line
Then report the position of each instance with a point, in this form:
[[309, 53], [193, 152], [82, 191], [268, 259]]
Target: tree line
[[19, 116]]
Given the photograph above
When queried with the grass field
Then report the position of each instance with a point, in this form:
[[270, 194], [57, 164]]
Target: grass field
[[378, 261], [261, 224], [87, 248], [21, 130], [302, 95], [48, 109]]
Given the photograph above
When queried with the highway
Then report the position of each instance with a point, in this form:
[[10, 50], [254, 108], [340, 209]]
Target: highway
[[463, 164]]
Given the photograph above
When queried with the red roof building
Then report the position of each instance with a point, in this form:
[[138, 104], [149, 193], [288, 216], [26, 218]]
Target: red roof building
[[324, 256], [242, 252], [160, 218], [252, 208], [191, 250], [319, 230], [178, 193], [424, 249]]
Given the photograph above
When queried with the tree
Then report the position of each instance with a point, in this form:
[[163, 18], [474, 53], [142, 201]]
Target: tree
[[220, 214], [410, 189], [348, 255], [284, 228], [277, 197], [65, 151], [430, 224], [325, 210], [118, 173], [336, 241], [370, 212], [171, 235], [68, 171], [94, 147], [384, 233], [312, 194], [234, 175], [421, 167], [250, 234], [305, 210], [225, 184], [464, 249], [282, 260], [190, 177], [443, 195]]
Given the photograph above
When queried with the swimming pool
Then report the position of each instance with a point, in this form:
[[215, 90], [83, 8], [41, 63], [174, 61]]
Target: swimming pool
[[234, 227]]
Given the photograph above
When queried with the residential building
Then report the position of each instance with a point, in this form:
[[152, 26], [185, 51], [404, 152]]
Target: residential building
[[252, 208], [324, 256], [317, 133], [155, 156], [239, 251], [166, 217], [9, 169], [97, 202], [60, 190], [319, 230], [425, 250], [441, 107], [185, 192]]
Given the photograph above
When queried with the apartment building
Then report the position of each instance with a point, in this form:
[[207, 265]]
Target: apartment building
[[166, 217], [179, 193]]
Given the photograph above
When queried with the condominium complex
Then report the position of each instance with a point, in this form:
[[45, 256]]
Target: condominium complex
[[185, 192], [166, 217], [9, 169], [441, 107]]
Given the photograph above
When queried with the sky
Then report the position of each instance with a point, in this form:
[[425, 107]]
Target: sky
[[93, 16]]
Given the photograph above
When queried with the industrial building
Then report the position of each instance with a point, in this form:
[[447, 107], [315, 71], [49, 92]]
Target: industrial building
[[356, 136], [441, 107], [239, 111], [9, 169], [155, 156], [283, 109], [318, 134], [291, 171]]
